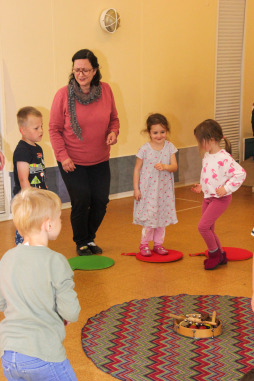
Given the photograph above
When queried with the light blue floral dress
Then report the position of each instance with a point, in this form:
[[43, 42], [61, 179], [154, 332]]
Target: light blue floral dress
[[156, 207]]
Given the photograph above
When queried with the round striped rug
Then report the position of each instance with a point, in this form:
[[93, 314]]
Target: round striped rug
[[135, 341]]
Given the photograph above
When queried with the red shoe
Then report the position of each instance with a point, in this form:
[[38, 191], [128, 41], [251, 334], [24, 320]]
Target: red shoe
[[214, 259], [160, 250], [224, 259], [145, 251]]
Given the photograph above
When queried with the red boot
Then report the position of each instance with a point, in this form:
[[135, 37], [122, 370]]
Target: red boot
[[224, 259], [214, 259]]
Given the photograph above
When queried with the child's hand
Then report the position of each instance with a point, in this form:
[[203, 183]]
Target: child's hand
[[159, 166], [221, 191], [137, 194], [197, 188]]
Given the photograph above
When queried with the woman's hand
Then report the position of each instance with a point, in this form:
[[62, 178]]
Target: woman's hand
[[111, 138], [137, 194], [68, 165], [197, 188]]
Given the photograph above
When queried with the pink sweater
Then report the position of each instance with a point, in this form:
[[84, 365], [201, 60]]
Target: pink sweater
[[96, 121]]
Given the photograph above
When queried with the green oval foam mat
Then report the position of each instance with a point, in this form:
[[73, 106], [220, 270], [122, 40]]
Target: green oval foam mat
[[90, 262]]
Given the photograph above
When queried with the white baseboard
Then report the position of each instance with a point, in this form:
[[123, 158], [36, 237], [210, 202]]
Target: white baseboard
[[121, 195], [116, 196]]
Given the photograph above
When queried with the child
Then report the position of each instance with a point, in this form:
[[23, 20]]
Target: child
[[220, 176], [29, 167], [36, 294], [153, 182]]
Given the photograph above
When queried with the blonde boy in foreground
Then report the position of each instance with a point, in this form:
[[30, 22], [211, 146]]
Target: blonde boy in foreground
[[36, 294]]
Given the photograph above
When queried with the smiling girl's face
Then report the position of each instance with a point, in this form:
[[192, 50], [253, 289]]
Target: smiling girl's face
[[158, 133]]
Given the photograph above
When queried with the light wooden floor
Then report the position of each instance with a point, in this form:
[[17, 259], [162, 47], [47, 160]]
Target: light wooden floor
[[131, 279]]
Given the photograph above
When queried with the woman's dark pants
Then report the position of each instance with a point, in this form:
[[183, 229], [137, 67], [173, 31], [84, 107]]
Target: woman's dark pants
[[88, 188]]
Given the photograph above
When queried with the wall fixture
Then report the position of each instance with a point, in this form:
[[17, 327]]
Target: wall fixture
[[110, 20]]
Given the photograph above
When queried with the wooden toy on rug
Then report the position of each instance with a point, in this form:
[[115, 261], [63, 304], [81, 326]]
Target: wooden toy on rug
[[197, 326]]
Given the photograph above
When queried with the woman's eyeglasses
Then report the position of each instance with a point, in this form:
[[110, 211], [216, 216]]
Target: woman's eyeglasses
[[82, 71]]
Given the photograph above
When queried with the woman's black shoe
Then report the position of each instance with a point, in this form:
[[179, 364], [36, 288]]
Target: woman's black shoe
[[84, 250], [94, 248]]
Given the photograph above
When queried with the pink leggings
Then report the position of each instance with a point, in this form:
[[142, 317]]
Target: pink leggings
[[212, 209], [156, 235]]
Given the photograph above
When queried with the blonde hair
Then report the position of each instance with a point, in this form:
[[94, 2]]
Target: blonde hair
[[24, 112], [32, 206]]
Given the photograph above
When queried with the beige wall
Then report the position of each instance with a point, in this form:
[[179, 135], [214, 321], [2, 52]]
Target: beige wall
[[179, 63], [162, 59]]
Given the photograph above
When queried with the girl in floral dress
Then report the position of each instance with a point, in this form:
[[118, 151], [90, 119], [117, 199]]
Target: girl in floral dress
[[220, 176], [153, 182]]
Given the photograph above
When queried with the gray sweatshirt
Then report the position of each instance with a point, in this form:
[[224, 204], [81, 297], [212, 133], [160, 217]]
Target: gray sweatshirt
[[36, 295]]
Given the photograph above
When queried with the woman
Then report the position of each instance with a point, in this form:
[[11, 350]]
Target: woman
[[83, 125]]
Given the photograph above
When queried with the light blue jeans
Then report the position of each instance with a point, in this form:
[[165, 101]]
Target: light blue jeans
[[18, 367]]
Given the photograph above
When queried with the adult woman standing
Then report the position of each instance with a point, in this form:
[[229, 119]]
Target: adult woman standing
[[83, 124]]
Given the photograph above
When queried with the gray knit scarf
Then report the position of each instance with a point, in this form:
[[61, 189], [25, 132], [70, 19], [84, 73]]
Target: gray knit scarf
[[75, 92]]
